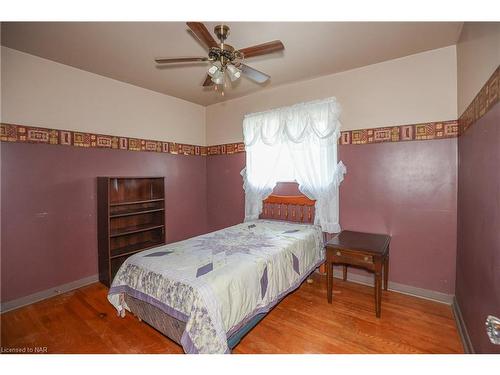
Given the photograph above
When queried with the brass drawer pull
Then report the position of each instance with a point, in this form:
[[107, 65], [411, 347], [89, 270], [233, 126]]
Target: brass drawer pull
[[339, 253], [367, 259]]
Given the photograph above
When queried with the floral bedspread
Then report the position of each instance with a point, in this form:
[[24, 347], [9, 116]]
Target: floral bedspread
[[218, 281]]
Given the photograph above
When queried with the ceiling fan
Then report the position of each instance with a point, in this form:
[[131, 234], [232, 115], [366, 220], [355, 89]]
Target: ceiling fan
[[224, 58]]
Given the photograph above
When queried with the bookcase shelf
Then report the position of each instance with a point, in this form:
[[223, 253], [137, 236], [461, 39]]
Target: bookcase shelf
[[136, 202], [132, 249], [134, 229], [131, 218], [135, 213]]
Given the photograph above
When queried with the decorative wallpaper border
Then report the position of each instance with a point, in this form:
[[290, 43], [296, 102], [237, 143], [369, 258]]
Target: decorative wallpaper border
[[29, 134], [401, 133], [226, 149], [486, 98]]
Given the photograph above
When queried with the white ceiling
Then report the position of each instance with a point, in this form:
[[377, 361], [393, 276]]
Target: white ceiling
[[125, 50]]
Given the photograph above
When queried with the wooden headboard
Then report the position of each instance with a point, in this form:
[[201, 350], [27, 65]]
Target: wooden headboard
[[297, 208]]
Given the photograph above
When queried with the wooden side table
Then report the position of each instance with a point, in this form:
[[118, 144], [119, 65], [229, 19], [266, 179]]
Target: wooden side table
[[365, 250]]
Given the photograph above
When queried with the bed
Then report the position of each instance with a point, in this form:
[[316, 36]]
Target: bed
[[205, 293]]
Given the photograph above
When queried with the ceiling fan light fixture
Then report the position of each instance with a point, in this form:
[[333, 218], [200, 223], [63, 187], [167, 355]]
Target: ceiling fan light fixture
[[215, 69], [218, 78], [233, 72]]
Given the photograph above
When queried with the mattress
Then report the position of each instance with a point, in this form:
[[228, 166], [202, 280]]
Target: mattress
[[218, 282]]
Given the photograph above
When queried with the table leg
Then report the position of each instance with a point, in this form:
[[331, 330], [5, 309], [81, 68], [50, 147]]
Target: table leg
[[329, 278], [386, 272], [378, 287], [344, 277]]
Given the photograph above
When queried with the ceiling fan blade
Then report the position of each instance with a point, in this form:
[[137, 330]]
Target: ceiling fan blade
[[202, 33], [172, 60], [208, 81], [254, 74], [263, 49]]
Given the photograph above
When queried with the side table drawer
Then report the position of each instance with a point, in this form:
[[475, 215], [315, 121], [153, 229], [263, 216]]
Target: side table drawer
[[346, 256]]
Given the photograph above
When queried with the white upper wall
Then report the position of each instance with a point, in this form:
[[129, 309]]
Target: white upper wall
[[413, 89], [40, 92], [478, 55]]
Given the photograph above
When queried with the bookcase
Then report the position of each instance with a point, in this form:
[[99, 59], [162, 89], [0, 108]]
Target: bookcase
[[130, 218]]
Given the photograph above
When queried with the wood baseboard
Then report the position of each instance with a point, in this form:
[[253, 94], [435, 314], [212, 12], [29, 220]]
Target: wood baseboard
[[48, 293], [360, 279], [462, 328], [397, 287]]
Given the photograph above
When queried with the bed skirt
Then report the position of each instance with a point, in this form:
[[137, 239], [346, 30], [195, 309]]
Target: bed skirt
[[166, 324], [174, 328]]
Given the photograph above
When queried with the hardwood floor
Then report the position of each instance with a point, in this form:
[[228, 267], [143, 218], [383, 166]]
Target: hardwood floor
[[82, 321]]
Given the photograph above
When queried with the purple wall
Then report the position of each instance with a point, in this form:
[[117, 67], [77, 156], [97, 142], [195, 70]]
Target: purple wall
[[49, 208], [226, 201], [406, 189], [478, 253]]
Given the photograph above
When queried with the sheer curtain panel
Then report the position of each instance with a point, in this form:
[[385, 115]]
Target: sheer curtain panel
[[308, 132]]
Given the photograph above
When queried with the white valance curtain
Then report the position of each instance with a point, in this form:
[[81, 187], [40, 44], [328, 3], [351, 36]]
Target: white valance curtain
[[307, 133]]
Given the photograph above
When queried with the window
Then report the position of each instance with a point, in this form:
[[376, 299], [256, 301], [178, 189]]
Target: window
[[297, 143], [283, 171]]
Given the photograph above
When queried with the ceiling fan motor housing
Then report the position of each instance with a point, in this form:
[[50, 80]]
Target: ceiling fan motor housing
[[224, 54], [221, 31]]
